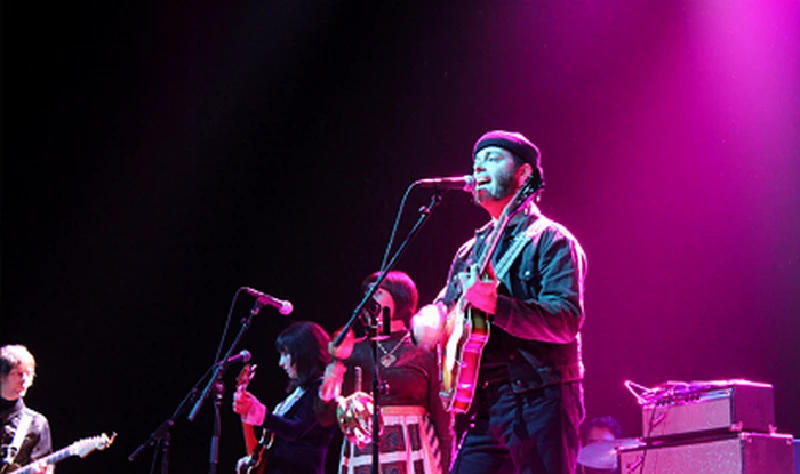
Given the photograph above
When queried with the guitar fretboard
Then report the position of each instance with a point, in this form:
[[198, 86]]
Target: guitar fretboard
[[58, 455], [51, 459]]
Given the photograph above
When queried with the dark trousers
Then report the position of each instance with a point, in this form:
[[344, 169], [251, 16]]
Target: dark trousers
[[536, 432]]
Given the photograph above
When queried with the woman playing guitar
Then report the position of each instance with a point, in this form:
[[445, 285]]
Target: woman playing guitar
[[294, 439]]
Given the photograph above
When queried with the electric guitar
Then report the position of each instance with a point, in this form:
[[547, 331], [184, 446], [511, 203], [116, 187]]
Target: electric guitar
[[466, 330], [256, 462], [257, 449], [80, 448]]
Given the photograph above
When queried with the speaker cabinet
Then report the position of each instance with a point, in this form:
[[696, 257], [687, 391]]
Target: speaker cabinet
[[698, 410], [737, 453]]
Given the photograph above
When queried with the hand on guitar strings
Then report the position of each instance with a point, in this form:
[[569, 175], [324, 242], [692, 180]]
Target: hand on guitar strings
[[39, 467], [427, 325], [480, 290]]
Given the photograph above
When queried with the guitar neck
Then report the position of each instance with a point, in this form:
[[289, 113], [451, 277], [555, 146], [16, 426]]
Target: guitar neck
[[57, 456], [248, 431], [80, 448], [250, 440], [521, 197], [491, 244]]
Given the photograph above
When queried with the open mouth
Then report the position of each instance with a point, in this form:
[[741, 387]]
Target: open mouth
[[482, 181]]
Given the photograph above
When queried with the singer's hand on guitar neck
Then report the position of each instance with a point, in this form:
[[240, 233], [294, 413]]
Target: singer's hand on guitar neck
[[480, 290]]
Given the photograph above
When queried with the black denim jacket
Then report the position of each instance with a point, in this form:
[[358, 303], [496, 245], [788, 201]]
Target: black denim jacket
[[540, 302]]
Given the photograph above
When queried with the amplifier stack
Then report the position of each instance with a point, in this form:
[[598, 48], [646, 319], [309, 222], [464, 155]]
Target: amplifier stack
[[709, 427]]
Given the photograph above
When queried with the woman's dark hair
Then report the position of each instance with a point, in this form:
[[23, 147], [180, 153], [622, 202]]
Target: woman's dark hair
[[307, 345], [403, 291]]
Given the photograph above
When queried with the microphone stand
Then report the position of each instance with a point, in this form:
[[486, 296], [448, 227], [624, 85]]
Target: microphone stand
[[425, 212], [215, 384], [379, 387], [161, 435]]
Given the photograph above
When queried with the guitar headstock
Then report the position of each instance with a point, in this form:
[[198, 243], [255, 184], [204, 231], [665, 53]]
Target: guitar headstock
[[85, 446], [525, 192], [245, 376]]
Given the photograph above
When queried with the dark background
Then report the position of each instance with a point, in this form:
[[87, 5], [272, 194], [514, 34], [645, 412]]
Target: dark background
[[158, 156]]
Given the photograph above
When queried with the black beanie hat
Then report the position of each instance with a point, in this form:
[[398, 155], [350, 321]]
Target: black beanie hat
[[517, 144]]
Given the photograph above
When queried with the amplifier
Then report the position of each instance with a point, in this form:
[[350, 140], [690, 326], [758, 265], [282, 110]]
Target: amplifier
[[696, 408], [736, 453]]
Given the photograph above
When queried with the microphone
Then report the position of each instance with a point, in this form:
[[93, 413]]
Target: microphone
[[371, 308], [458, 183], [284, 307], [243, 357]]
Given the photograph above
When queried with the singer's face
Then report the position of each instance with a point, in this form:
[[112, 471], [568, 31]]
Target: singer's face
[[498, 166], [286, 364], [16, 383]]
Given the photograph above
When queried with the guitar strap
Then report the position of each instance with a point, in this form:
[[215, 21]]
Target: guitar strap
[[283, 407], [19, 437], [532, 233]]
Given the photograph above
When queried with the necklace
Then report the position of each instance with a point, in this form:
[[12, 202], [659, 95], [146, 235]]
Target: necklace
[[388, 358]]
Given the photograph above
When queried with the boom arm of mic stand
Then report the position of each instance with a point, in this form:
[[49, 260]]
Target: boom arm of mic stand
[[219, 367], [161, 435], [215, 381], [425, 212]]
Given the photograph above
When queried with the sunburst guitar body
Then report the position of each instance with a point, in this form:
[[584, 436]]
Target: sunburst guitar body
[[466, 330]]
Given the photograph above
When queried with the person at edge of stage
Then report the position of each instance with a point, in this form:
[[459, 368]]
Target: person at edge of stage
[[601, 429], [17, 371], [528, 402], [417, 433], [299, 440], [604, 430]]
